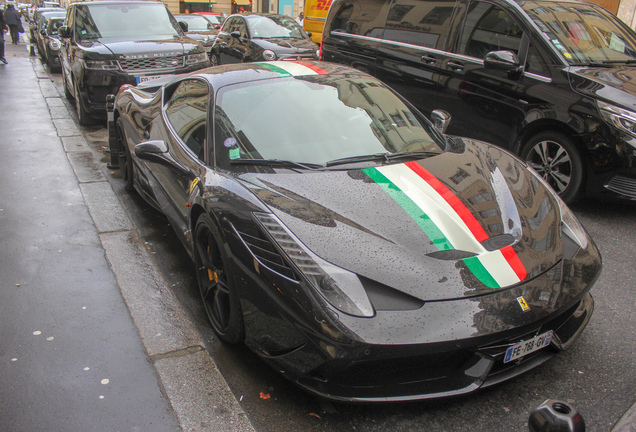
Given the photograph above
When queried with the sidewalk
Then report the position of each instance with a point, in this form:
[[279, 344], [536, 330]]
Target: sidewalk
[[93, 338]]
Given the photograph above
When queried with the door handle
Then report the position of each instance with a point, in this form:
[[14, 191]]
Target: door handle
[[428, 59], [457, 67]]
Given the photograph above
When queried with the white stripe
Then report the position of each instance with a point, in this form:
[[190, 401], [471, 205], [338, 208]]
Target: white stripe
[[444, 216], [294, 69]]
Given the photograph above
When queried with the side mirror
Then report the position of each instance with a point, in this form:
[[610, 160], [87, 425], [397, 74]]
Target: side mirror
[[441, 120], [64, 32], [502, 60], [308, 34], [157, 152], [236, 34], [184, 26]]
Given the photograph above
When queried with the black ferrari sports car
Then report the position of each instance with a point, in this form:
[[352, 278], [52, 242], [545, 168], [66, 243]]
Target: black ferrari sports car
[[346, 240]]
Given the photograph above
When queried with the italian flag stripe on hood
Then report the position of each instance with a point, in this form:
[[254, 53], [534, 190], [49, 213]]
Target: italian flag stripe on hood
[[447, 221]]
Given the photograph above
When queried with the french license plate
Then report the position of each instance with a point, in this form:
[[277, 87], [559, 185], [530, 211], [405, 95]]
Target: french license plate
[[141, 79], [526, 347]]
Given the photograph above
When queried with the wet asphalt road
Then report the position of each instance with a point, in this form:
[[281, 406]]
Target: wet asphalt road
[[597, 375]]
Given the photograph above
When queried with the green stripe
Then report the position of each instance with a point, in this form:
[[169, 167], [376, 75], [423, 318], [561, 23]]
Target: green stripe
[[425, 223], [428, 226], [280, 71], [478, 269]]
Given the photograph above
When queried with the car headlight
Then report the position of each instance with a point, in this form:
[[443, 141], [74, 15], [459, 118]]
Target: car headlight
[[269, 55], [621, 118], [101, 64], [196, 58], [54, 44], [323, 276], [570, 225]]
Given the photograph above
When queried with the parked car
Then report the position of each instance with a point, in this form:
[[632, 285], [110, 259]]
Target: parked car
[[259, 37], [33, 22], [110, 43], [346, 240], [549, 80], [41, 29], [200, 28], [51, 43], [216, 19]]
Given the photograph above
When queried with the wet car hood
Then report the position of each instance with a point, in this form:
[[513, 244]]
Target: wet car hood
[[450, 226], [148, 47], [615, 85], [284, 45]]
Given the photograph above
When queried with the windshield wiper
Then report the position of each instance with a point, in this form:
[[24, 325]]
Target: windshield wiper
[[277, 162], [385, 157]]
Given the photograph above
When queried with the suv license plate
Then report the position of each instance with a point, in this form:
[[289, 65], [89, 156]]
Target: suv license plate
[[141, 79], [526, 347]]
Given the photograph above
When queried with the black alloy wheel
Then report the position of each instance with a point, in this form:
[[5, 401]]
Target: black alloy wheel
[[555, 157], [126, 167], [214, 60], [219, 297]]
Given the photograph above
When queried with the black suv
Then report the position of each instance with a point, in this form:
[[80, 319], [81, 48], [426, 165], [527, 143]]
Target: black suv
[[553, 81], [110, 43]]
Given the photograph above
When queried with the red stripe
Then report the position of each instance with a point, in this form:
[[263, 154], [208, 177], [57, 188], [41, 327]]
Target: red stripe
[[471, 222], [314, 68], [515, 263]]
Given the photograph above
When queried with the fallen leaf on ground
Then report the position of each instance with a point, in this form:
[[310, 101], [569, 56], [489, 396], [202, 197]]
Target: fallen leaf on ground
[[264, 396], [314, 414]]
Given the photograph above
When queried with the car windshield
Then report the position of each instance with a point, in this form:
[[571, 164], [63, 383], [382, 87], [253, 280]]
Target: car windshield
[[583, 33], [96, 20], [313, 120], [54, 25], [274, 27], [216, 19], [195, 22]]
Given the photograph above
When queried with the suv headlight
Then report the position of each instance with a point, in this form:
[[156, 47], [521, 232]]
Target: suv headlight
[[54, 44], [196, 58], [101, 64], [621, 118], [269, 55], [326, 278]]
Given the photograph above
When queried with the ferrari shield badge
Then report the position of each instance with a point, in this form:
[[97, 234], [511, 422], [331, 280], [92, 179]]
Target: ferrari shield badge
[[523, 304]]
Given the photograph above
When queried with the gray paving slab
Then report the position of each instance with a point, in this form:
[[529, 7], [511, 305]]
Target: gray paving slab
[[627, 423], [66, 127], [59, 113], [162, 324], [75, 144], [105, 208], [55, 102], [209, 406], [86, 168], [47, 88]]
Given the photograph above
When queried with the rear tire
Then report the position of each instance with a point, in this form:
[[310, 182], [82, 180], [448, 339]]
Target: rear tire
[[67, 92], [555, 157]]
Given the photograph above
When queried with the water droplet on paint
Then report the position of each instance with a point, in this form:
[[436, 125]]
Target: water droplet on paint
[[37, 333], [105, 381]]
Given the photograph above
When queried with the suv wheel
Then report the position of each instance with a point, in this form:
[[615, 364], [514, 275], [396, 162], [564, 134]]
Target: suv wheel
[[83, 116], [555, 157]]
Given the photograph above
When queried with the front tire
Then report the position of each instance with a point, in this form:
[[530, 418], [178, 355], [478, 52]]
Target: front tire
[[220, 299], [126, 167], [214, 60], [555, 157], [83, 116]]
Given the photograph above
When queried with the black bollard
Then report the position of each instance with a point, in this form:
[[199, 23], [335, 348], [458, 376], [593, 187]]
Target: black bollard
[[555, 416]]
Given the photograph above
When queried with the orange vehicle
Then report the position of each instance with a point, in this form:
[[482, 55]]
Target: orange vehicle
[[315, 15]]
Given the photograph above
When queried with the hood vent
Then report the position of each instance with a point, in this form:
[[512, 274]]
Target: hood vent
[[267, 254], [385, 298]]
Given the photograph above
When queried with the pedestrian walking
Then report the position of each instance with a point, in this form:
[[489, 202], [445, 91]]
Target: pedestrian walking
[[3, 30], [13, 20], [301, 19]]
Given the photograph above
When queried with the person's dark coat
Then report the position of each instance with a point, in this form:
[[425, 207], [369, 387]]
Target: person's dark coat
[[11, 16]]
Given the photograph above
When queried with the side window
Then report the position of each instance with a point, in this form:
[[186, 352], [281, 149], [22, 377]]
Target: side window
[[187, 113], [488, 28], [535, 63], [240, 27], [228, 25], [419, 22], [364, 18]]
